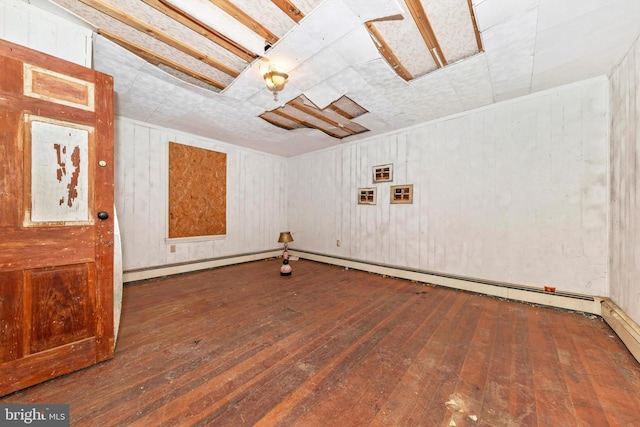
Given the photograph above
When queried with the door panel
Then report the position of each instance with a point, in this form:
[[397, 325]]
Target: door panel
[[60, 306], [56, 256], [58, 88], [11, 308], [53, 246], [10, 153], [57, 156]]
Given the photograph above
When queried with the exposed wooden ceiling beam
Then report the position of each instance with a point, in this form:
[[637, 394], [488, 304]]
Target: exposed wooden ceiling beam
[[341, 104], [290, 9], [424, 26], [280, 112], [475, 26], [340, 111], [246, 20], [268, 117], [397, 17], [156, 59], [275, 123], [302, 105], [201, 28], [123, 17], [387, 53], [317, 113]]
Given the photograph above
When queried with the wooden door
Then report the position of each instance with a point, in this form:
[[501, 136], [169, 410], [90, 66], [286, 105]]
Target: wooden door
[[56, 255]]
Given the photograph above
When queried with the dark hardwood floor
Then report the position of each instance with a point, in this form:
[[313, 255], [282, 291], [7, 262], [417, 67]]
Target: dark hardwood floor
[[241, 345]]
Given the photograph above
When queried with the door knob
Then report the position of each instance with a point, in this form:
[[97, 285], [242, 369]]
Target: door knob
[[103, 215]]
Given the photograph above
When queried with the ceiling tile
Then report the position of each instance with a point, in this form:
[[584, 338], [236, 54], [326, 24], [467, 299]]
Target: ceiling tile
[[490, 13], [509, 49], [471, 81], [529, 45], [356, 47]]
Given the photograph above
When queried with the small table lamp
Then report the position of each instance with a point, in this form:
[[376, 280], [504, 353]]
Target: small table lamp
[[285, 237]]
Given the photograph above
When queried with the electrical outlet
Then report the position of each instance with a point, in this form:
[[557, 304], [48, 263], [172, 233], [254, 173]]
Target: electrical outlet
[[172, 248], [337, 242]]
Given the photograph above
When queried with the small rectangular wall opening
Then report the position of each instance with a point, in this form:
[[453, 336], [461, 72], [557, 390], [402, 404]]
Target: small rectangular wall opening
[[402, 194], [367, 196]]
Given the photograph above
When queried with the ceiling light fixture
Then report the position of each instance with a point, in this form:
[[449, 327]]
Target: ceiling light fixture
[[275, 81]]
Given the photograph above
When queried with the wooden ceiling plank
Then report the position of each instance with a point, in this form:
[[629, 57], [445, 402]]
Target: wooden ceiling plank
[[387, 53], [398, 17], [271, 117], [350, 103], [315, 117], [317, 113], [139, 25], [340, 111], [335, 107], [353, 128], [201, 28], [290, 9], [426, 30], [277, 123], [475, 26], [245, 20], [343, 112], [156, 59], [305, 123]]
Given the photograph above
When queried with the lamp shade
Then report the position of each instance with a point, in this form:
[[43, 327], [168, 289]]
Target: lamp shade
[[275, 80], [285, 237]]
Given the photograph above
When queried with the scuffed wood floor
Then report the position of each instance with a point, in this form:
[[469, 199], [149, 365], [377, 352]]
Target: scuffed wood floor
[[241, 345]]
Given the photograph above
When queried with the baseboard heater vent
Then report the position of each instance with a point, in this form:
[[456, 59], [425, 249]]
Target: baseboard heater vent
[[186, 267], [564, 300]]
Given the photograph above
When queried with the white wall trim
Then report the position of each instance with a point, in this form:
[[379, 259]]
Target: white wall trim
[[168, 270], [567, 301], [625, 327]]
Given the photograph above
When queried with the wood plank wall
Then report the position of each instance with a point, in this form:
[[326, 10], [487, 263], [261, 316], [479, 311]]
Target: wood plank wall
[[256, 208], [625, 188], [513, 192], [32, 27]]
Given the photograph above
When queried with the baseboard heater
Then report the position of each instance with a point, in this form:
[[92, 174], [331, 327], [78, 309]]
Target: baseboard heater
[[569, 301], [625, 327], [187, 267]]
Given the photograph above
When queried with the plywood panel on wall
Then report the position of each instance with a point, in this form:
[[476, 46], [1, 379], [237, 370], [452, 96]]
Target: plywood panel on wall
[[256, 203], [197, 192]]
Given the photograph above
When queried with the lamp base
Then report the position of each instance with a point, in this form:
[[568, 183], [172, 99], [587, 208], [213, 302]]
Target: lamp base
[[285, 269]]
